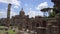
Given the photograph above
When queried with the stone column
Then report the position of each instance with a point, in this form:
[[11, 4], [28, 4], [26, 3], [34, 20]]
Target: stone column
[[8, 14]]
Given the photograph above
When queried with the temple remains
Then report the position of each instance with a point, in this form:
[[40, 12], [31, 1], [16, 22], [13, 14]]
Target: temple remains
[[38, 24]]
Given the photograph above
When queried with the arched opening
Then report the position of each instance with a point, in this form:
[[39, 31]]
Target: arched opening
[[44, 23], [26, 26], [37, 24]]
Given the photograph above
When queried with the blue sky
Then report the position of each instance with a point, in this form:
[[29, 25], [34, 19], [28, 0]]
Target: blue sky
[[31, 7]]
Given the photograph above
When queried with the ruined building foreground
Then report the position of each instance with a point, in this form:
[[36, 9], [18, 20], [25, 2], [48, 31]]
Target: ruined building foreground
[[38, 24]]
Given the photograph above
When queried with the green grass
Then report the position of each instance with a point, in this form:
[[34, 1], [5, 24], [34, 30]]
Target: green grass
[[2, 26], [11, 32]]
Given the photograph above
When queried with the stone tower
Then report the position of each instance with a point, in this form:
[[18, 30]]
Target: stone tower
[[8, 14]]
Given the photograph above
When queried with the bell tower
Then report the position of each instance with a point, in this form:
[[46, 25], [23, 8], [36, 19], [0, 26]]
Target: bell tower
[[22, 13]]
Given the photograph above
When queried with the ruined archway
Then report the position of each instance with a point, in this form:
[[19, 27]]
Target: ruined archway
[[37, 24]]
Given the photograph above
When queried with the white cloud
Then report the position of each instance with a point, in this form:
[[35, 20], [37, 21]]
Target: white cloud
[[13, 13], [3, 13], [34, 13], [14, 2], [42, 5], [31, 14], [16, 7]]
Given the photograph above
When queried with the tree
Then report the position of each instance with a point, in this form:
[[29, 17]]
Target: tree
[[54, 12], [46, 10]]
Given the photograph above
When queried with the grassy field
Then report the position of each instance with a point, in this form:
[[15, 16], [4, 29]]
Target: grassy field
[[10, 31]]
